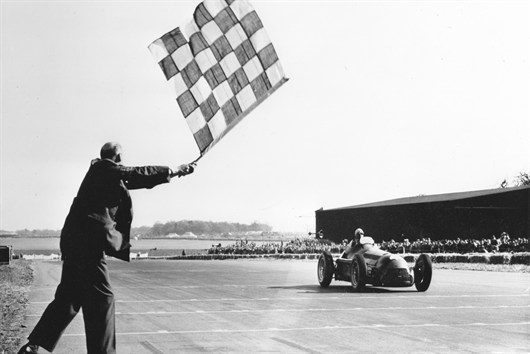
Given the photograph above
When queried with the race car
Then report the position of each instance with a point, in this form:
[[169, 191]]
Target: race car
[[367, 264]]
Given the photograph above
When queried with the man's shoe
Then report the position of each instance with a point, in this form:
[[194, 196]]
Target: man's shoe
[[29, 348]]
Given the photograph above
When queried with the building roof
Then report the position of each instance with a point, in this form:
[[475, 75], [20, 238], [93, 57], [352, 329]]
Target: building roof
[[435, 198]]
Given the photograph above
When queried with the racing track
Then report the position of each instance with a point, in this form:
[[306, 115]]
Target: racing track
[[277, 305]]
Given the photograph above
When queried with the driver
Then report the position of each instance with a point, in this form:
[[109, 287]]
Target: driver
[[354, 244]]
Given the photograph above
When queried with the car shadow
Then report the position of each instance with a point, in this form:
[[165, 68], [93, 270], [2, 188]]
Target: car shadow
[[314, 289]]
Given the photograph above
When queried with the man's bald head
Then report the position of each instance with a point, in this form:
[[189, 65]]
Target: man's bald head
[[111, 151]]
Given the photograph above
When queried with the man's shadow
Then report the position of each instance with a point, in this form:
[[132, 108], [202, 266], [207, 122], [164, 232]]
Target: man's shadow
[[317, 289]]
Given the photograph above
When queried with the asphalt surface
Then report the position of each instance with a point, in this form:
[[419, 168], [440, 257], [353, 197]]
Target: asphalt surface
[[278, 306]]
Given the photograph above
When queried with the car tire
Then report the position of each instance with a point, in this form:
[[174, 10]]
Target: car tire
[[325, 269], [358, 273], [423, 272]]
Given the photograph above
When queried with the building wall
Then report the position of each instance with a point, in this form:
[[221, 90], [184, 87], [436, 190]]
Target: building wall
[[477, 217]]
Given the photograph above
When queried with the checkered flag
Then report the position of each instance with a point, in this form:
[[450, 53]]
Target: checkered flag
[[221, 65]]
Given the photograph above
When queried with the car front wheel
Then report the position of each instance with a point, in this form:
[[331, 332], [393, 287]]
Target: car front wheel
[[358, 273], [325, 269], [423, 272]]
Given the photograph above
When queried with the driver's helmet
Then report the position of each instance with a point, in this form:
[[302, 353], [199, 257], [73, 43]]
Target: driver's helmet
[[358, 234]]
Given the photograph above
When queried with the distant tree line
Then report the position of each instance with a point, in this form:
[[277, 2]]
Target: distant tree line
[[522, 179], [198, 227]]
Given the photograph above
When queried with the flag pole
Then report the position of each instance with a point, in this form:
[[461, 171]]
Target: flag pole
[[197, 159]]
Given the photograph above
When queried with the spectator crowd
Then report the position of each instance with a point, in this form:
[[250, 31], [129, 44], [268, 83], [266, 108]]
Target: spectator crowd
[[503, 243], [298, 245], [461, 245]]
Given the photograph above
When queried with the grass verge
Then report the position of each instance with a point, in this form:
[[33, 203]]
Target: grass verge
[[15, 280]]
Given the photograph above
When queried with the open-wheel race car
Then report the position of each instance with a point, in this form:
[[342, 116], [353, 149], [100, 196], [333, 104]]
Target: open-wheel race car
[[367, 264]]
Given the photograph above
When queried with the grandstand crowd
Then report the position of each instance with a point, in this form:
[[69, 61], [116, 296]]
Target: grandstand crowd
[[500, 244]]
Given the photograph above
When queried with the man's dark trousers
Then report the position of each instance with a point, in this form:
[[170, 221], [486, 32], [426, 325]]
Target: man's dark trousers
[[84, 284]]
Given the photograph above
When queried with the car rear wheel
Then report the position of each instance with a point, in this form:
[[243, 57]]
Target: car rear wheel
[[358, 272], [325, 269], [423, 272]]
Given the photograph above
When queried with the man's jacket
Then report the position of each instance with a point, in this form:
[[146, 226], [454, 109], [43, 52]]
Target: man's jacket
[[101, 214]]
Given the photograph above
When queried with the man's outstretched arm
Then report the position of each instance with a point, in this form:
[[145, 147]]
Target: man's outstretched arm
[[150, 176]]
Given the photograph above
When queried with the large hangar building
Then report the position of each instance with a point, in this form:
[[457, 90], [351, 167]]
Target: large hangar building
[[473, 214]]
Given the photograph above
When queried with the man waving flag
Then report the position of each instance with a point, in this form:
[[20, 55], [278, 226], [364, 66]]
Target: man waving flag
[[221, 65]]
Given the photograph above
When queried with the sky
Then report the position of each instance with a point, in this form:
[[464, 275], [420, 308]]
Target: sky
[[386, 99]]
